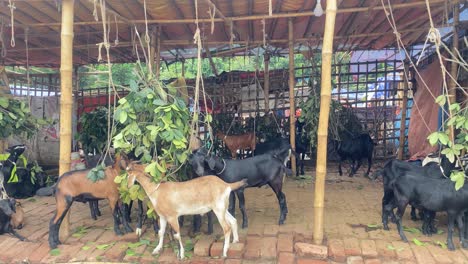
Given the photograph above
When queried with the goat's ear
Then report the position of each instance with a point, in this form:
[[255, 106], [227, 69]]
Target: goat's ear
[[211, 163], [123, 164]]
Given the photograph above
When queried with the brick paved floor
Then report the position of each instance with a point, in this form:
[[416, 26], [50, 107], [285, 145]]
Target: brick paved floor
[[352, 211]]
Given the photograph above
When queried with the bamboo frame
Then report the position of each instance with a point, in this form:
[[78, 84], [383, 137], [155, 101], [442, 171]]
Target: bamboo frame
[[251, 17], [322, 133], [152, 50], [66, 99], [125, 44], [452, 91], [401, 146], [292, 106]]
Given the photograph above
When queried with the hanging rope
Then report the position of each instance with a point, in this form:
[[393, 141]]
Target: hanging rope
[[26, 42], [270, 8], [12, 16], [231, 26], [147, 37], [2, 38], [212, 16], [95, 14], [116, 41], [264, 33]]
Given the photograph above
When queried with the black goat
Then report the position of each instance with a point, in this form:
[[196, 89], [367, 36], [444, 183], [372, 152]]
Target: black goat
[[355, 148], [259, 170], [279, 145], [431, 194], [24, 187], [7, 208], [392, 170]]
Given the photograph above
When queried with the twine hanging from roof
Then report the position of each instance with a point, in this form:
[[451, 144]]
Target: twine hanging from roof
[[116, 41], [95, 14], [270, 8], [231, 27], [264, 33], [212, 16], [12, 15]]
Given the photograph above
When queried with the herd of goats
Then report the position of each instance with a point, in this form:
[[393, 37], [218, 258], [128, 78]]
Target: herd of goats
[[424, 185]]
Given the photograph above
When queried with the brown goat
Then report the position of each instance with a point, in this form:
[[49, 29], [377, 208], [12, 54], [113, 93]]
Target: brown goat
[[238, 142], [75, 185], [17, 218], [198, 196]]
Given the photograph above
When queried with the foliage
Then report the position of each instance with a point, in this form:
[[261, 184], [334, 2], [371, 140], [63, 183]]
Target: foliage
[[155, 128], [16, 119], [93, 130], [35, 170], [453, 149], [97, 173]]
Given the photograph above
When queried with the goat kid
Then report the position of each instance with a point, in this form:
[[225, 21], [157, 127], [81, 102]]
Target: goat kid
[[198, 196], [238, 142], [75, 185], [7, 209]]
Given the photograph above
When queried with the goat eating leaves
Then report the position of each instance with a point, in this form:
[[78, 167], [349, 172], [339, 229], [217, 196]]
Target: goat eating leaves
[[198, 196]]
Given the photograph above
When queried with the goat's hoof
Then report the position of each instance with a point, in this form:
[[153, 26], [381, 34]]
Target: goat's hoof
[[386, 228], [451, 247], [414, 218], [281, 222], [128, 230], [138, 231], [155, 251], [245, 225], [464, 245]]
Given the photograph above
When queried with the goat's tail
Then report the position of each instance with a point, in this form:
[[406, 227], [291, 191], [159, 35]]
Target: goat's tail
[[237, 185]]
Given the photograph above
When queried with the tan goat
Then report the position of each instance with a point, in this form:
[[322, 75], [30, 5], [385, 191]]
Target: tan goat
[[198, 196]]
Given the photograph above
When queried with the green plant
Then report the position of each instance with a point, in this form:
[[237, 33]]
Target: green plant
[[93, 130], [458, 120], [16, 119], [155, 128]]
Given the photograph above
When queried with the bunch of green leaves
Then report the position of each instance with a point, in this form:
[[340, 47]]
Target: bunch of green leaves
[[97, 173], [35, 169], [458, 119], [16, 119], [342, 120], [93, 130], [155, 128]]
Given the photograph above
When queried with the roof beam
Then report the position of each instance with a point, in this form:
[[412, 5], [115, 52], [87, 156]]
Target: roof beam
[[257, 17]]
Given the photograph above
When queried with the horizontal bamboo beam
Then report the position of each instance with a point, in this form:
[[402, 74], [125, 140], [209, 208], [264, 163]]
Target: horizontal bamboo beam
[[253, 17], [241, 42]]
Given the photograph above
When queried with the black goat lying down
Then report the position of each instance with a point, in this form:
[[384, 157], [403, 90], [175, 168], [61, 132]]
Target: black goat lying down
[[391, 172], [431, 194], [355, 149], [259, 170], [7, 209]]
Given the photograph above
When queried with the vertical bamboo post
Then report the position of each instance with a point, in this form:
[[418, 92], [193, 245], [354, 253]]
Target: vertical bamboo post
[[292, 106], [401, 147], [452, 92], [152, 50], [266, 81], [66, 101], [157, 62], [322, 133], [183, 68]]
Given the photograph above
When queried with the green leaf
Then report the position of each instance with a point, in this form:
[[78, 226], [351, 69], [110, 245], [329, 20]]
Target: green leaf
[[133, 85], [390, 247], [130, 252], [411, 230], [134, 245], [123, 117], [122, 101], [209, 118], [443, 138], [12, 115], [103, 246], [455, 107], [417, 242], [158, 102], [433, 138], [440, 100], [441, 244], [85, 248], [4, 102], [372, 225], [54, 252], [439, 232], [459, 178]]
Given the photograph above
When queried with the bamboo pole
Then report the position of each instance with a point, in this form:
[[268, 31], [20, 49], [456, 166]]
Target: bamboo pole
[[292, 106], [66, 100], [157, 63], [183, 68], [322, 133], [401, 147], [452, 92], [266, 82], [255, 17]]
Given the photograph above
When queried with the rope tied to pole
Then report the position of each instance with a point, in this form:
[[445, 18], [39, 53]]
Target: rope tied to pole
[[231, 27], [12, 7], [264, 33], [116, 41]]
